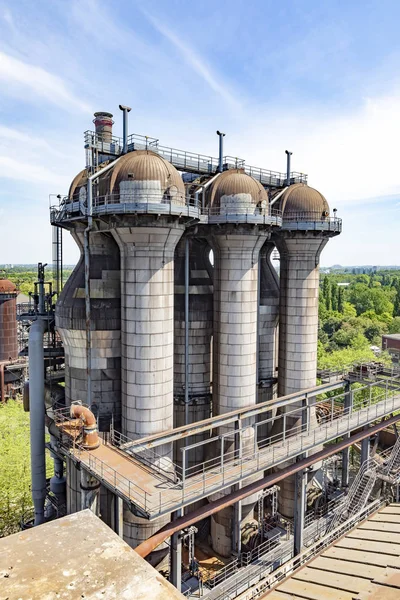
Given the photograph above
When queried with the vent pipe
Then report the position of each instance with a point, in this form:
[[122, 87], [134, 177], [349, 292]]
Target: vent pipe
[[288, 155], [221, 151], [103, 123], [125, 110]]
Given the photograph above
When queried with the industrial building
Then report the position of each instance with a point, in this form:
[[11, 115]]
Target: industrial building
[[191, 420]]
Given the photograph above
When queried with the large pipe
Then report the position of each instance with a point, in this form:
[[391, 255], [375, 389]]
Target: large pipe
[[91, 439], [125, 110], [37, 418], [205, 511], [187, 331], [288, 155], [221, 151]]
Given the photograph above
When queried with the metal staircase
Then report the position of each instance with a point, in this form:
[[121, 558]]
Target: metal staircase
[[392, 467], [358, 495]]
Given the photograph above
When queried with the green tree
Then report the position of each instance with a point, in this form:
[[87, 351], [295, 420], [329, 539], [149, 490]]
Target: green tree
[[327, 291], [340, 301], [334, 296], [394, 326]]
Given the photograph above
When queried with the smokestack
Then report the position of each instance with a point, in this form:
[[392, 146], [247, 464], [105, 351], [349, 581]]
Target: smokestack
[[103, 123], [125, 110], [221, 151], [288, 154]]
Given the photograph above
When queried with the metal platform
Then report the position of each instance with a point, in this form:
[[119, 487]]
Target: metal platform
[[133, 469]]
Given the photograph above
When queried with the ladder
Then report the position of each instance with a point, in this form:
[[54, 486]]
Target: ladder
[[358, 495]]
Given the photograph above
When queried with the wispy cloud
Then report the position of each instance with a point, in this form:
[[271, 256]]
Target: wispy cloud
[[25, 77], [196, 62]]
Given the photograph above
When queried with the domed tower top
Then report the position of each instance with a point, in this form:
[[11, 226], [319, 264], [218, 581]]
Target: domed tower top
[[236, 193], [303, 203], [143, 176], [77, 189]]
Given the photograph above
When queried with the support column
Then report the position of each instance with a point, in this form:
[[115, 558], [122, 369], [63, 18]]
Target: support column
[[301, 487], [90, 492], [348, 404], [235, 355], [365, 448], [298, 330], [176, 554], [147, 346], [118, 513]]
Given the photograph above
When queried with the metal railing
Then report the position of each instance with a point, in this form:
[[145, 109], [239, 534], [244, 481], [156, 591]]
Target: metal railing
[[183, 160], [311, 222]]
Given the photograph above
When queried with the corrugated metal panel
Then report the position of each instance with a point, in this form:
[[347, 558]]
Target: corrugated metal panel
[[78, 181]]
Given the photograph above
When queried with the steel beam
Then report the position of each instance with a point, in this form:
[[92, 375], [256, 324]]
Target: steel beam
[[176, 553]]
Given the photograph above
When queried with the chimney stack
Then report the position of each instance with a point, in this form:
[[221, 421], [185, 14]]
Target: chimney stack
[[103, 123]]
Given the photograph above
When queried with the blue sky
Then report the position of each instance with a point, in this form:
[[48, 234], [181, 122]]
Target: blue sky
[[319, 78]]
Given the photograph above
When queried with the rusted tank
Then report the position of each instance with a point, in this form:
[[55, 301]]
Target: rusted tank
[[8, 321]]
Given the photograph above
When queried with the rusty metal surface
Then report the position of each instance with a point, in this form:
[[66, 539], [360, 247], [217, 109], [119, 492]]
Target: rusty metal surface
[[356, 566], [76, 556]]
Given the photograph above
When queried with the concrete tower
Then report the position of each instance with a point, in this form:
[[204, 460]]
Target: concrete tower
[[105, 307], [145, 198], [238, 207], [305, 231], [8, 321], [200, 327]]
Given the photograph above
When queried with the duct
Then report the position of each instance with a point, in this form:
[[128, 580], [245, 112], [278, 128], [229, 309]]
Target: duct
[[187, 331], [277, 196], [91, 439], [288, 155], [213, 507], [125, 110], [37, 418], [54, 395], [202, 190], [221, 151]]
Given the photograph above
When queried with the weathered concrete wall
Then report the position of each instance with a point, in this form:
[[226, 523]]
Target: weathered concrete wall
[[105, 329]]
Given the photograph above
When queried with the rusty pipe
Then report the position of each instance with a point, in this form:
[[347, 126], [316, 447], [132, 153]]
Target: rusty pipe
[[205, 511], [91, 439]]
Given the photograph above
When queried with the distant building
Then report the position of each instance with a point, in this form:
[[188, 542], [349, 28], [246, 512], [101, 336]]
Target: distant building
[[391, 343]]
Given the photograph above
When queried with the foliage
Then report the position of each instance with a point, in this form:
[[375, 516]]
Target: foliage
[[353, 316], [15, 472]]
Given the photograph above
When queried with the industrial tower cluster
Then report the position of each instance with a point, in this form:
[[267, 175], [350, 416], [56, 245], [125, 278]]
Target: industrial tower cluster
[[175, 313]]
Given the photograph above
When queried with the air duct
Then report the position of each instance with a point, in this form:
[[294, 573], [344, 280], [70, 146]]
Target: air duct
[[125, 110], [221, 151], [288, 155]]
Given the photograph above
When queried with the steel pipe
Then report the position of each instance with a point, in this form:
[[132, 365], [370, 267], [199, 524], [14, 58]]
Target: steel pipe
[[205, 511], [37, 418]]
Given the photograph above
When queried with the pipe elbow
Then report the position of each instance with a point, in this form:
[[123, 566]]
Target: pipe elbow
[[91, 439]]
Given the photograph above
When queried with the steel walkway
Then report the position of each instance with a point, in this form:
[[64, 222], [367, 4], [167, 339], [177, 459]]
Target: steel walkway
[[152, 493]]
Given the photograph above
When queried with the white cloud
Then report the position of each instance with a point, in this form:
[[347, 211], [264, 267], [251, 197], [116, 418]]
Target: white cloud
[[12, 168], [197, 63], [27, 78]]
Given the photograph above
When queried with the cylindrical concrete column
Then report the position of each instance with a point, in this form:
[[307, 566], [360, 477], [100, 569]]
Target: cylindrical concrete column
[[235, 349], [73, 487], [200, 326], [147, 345], [105, 329], [298, 331]]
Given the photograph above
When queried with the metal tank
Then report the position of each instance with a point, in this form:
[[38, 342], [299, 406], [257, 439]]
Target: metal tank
[[193, 404], [239, 226], [8, 321], [305, 231]]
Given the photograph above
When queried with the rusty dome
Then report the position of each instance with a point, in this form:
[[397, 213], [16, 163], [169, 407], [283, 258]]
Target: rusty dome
[[303, 202], [7, 287], [79, 182], [235, 189], [143, 174]]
